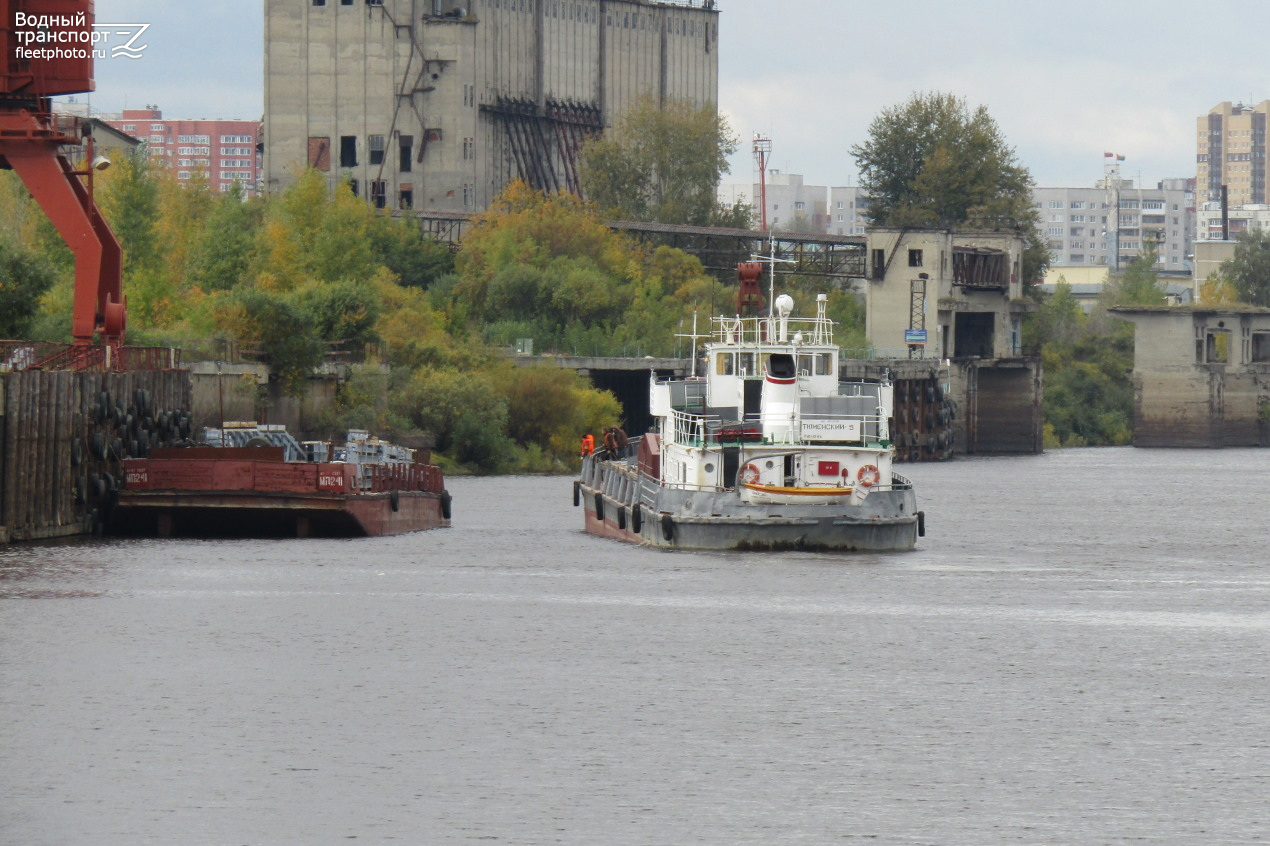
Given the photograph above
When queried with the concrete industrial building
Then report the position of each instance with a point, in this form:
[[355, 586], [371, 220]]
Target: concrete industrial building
[[438, 104], [1201, 376], [1230, 150], [955, 300]]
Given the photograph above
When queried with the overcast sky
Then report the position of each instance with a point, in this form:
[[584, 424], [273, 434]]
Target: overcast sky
[[1066, 81]]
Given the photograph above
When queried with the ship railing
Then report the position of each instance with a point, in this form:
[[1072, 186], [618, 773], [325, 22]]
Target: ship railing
[[766, 330], [707, 429], [692, 429]]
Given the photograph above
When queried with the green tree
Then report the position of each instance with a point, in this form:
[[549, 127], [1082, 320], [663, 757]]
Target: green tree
[[1249, 270], [286, 331], [1059, 320], [222, 252], [463, 410], [24, 278], [543, 264], [1139, 285], [129, 199], [343, 311], [417, 259], [661, 163], [932, 162]]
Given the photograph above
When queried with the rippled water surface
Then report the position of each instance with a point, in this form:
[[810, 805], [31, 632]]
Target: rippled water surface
[[1076, 653]]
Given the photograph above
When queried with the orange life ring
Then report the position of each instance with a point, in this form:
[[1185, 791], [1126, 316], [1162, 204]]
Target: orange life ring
[[868, 476], [749, 474]]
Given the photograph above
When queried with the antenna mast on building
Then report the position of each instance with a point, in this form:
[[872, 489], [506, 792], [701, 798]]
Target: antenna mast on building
[[762, 150], [1111, 182]]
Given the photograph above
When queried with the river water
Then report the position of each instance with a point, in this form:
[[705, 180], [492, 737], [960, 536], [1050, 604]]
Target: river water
[[1075, 653]]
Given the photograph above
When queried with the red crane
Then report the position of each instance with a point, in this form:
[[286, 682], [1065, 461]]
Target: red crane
[[46, 49]]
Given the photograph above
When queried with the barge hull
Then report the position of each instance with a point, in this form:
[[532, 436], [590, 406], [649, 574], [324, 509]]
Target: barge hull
[[263, 514]]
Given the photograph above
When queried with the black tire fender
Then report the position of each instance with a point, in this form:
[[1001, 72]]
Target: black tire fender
[[667, 527], [637, 518], [577, 493], [445, 504], [394, 499], [599, 506]]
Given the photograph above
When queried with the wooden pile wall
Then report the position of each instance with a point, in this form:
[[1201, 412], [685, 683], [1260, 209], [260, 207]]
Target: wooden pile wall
[[63, 435]]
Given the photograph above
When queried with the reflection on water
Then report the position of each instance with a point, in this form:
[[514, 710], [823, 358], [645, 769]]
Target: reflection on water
[[1072, 655]]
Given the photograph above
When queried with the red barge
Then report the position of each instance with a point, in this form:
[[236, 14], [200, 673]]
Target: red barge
[[366, 488]]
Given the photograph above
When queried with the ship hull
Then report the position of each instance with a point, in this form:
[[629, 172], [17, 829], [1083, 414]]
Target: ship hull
[[886, 520], [186, 513], [235, 496]]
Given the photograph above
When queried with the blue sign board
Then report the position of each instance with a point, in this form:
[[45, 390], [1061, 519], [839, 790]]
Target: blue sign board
[[914, 336]]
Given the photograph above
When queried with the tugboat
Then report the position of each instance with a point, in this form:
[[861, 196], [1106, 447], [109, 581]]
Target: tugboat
[[248, 480], [768, 451]]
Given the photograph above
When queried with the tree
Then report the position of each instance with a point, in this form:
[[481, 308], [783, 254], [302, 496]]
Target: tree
[[129, 200], [932, 162], [222, 253], [1058, 321], [1249, 270], [417, 259], [544, 262], [1139, 285], [24, 278], [287, 333], [661, 163]]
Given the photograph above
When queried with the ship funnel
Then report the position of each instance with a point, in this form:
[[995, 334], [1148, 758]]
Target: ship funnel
[[778, 408]]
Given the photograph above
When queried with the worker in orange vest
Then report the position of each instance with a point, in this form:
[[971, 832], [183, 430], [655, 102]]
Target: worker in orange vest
[[588, 444]]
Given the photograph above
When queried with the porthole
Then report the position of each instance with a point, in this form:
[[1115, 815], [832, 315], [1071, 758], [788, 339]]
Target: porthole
[[709, 468]]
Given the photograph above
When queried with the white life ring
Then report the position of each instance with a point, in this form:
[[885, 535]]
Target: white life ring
[[868, 476]]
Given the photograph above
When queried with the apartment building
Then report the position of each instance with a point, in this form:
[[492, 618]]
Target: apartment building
[[1109, 225], [793, 205], [847, 205], [1230, 150], [225, 151]]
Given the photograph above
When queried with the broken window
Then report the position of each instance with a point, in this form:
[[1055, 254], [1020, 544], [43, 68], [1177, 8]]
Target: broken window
[[1217, 347], [320, 153], [348, 151], [379, 193], [978, 267], [974, 334], [376, 144], [914, 258], [407, 149], [879, 264], [406, 197], [1260, 348]]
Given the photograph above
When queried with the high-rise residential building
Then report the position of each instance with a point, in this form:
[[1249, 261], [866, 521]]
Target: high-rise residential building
[[226, 151], [1214, 226], [438, 104], [847, 205], [1231, 150], [792, 206], [1081, 226]]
